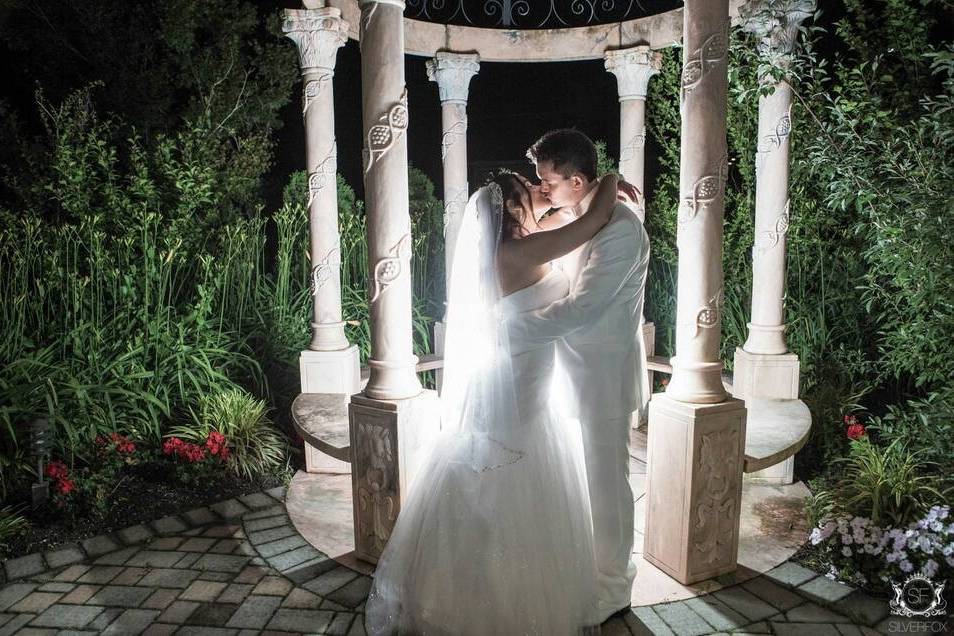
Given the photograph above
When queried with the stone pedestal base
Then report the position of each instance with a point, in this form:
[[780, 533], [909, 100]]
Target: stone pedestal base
[[694, 487], [319, 462], [781, 474], [387, 437], [641, 416], [330, 371], [440, 332], [765, 376]]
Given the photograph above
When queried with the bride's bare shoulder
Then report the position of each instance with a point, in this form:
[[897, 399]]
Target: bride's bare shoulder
[[557, 219]]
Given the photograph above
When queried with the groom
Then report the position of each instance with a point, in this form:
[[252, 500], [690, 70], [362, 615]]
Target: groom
[[599, 347]]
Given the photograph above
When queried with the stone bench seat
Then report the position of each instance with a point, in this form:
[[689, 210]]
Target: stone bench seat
[[774, 431]]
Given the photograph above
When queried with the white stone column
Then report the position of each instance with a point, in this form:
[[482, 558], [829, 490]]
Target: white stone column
[[764, 368], [452, 72], [330, 365], [696, 432], [391, 418], [633, 67]]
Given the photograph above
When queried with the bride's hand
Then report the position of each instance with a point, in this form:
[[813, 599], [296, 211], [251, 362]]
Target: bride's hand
[[627, 192]]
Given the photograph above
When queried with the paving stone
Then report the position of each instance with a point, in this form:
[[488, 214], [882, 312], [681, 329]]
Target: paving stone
[[235, 593], [108, 616], [35, 602], [790, 574], [166, 543], [310, 569], [37, 631], [120, 596], [811, 613], [168, 577], [259, 561], [5, 618], [257, 500], [292, 558], [302, 599], [278, 492], [221, 562], [135, 534], [331, 581], [64, 556], [178, 613], [251, 574], [354, 593], [204, 591], [255, 612], [169, 525], [267, 522], [825, 590], [99, 545], [197, 544], [273, 586], [331, 605], [862, 608], [221, 577], [129, 576], [24, 566], [224, 546], [213, 614], [13, 592], [117, 557], [156, 558], [81, 594], [273, 548], [342, 622], [300, 620], [849, 630], [101, 574], [229, 509], [189, 630], [357, 627], [72, 573], [278, 510], [757, 628], [682, 619], [200, 516], [776, 595], [132, 621], [15, 623], [220, 531], [717, 613], [245, 548], [67, 616], [649, 620], [160, 629], [801, 629], [160, 599], [745, 603], [188, 560], [57, 586], [272, 534], [613, 627]]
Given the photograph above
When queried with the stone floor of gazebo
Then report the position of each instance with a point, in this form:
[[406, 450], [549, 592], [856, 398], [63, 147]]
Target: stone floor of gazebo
[[772, 528]]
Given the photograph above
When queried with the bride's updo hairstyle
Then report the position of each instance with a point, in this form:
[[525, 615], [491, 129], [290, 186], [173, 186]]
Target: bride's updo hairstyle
[[517, 206]]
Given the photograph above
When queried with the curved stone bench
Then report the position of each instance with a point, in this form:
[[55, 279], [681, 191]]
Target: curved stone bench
[[774, 431]]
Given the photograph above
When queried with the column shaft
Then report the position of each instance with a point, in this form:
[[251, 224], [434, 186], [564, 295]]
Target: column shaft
[[385, 117], [697, 367], [632, 147]]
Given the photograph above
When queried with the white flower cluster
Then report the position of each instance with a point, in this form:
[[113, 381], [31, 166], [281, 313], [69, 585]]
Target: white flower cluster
[[925, 545]]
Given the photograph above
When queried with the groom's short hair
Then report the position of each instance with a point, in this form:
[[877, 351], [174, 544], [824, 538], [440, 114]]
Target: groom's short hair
[[570, 152]]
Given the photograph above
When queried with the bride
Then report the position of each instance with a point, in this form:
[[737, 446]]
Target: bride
[[495, 535]]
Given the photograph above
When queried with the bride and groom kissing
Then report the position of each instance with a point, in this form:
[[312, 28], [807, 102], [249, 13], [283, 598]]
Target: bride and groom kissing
[[520, 519]]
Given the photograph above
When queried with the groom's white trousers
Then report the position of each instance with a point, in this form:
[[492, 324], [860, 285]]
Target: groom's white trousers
[[606, 451]]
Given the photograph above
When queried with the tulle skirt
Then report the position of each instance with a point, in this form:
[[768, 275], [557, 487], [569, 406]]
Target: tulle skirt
[[495, 537]]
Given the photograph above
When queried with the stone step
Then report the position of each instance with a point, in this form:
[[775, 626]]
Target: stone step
[[774, 431]]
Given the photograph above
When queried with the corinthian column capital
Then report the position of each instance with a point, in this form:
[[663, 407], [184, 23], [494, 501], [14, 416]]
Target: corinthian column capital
[[318, 33], [776, 23], [633, 67], [452, 72]]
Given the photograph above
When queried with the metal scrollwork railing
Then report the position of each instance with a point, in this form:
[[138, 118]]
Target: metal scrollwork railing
[[534, 14]]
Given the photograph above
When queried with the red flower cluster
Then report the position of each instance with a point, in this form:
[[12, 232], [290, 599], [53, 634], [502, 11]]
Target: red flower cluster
[[217, 445], [59, 473], [184, 450], [853, 428], [120, 443]]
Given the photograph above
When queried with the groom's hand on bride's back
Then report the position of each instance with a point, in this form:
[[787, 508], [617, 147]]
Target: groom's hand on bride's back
[[627, 193]]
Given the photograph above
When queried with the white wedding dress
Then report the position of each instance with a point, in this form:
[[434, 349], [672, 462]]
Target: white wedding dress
[[495, 536]]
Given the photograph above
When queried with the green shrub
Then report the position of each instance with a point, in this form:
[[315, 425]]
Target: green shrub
[[12, 524]]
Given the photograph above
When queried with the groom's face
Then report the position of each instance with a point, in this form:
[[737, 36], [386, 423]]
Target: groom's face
[[561, 191]]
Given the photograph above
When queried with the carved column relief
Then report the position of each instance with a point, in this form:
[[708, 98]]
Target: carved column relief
[[452, 72], [775, 23], [318, 34], [385, 120]]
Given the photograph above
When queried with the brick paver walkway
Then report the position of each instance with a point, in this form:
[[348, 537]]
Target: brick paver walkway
[[240, 567]]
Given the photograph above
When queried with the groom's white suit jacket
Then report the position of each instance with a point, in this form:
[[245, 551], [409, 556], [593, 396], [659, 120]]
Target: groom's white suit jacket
[[601, 351]]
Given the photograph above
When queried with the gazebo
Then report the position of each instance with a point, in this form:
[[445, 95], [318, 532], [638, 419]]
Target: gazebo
[[707, 433]]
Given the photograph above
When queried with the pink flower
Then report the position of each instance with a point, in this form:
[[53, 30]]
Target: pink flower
[[56, 470], [171, 446], [856, 431], [65, 486]]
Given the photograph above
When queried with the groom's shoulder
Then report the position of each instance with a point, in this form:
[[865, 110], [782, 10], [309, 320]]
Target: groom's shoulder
[[624, 219]]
